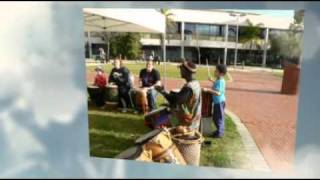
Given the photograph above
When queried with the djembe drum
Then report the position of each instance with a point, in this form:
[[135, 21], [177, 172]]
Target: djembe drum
[[158, 118], [162, 148], [206, 110], [95, 95], [137, 153], [141, 101], [111, 96]]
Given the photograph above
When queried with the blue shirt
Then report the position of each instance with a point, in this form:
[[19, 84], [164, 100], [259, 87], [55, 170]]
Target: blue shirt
[[219, 85]]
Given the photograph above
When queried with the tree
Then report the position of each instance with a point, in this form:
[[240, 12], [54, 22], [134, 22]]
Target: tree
[[126, 44], [170, 24], [251, 36], [289, 45]]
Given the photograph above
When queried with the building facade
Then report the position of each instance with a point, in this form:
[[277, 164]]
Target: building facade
[[211, 35]]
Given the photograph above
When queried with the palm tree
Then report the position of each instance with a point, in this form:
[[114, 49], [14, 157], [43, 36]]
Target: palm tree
[[169, 24], [251, 36]]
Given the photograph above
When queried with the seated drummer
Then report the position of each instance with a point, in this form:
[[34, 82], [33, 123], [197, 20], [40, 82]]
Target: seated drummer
[[120, 76], [100, 80], [149, 78], [186, 102]]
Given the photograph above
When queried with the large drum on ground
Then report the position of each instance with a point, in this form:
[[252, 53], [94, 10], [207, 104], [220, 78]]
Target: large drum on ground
[[137, 153], [96, 95], [141, 101], [206, 110], [93, 91], [162, 148], [111, 96], [158, 118], [189, 144]]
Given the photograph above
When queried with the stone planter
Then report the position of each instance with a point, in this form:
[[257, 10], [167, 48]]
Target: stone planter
[[290, 80]]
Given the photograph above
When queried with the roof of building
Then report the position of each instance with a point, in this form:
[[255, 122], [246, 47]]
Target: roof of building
[[224, 17]]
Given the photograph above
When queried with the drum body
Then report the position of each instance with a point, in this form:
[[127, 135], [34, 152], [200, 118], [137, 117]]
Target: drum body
[[96, 95], [137, 153], [141, 101], [93, 91], [111, 93], [111, 97], [163, 149], [206, 110], [158, 118]]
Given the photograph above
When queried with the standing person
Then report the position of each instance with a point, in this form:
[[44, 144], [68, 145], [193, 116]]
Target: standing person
[[120, 76], [218, 98], [149, 78], [102, 55], [151, 57], [186, 102], [100, 80]]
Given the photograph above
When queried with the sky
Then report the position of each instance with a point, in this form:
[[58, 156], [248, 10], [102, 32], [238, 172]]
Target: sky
[[273, 13]]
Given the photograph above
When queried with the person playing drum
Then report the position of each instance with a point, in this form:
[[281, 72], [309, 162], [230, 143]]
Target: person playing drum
[[120, 76], [149, 78], [186, 102], [100, 81]]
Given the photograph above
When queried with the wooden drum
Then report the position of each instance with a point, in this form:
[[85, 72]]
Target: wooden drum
[[206, 110], [141, 101], [137, 153], [111, 96], [162, 148], [93, 92]]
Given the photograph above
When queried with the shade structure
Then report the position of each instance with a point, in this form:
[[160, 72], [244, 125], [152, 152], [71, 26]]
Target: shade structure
[[124, 20]]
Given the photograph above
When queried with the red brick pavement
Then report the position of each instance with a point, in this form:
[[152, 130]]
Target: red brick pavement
[[269, 116]]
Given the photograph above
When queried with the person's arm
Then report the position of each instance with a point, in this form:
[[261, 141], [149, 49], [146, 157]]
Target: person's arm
[[124, 79], [178, 98], [216, 91]]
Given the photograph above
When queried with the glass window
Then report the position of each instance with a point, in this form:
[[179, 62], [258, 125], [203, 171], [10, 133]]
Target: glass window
[[214, 30], [189, 28], [203, 29]]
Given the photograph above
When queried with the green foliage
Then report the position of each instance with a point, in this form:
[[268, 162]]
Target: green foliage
[[289, 45], [251, 36], [126, 44]]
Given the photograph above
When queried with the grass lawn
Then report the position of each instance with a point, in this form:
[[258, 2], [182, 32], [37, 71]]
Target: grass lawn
[[113, 132], [172, 70], [278, 73]]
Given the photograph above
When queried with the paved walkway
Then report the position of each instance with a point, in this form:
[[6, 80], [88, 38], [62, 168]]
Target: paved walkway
[[269, 116]]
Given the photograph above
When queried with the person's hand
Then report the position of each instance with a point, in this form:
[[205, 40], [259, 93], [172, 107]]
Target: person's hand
[[205, 89], [159, 88]]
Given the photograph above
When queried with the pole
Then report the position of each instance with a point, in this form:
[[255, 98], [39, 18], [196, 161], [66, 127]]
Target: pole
[[164, 58], [89, 42], [236, 48], [266, 38], [225, 44]]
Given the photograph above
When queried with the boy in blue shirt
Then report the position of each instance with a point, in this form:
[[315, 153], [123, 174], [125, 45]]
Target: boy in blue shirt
[[218, 98]]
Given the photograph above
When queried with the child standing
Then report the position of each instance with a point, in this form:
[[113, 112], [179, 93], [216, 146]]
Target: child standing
[[218, 98]]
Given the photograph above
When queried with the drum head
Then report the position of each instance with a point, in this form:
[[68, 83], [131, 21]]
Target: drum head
[[142, 139], [111, 86], [131, 153]]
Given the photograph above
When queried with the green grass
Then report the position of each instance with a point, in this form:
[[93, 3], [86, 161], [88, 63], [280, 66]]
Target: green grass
[[113, 132], [171, 69], [278, 73]]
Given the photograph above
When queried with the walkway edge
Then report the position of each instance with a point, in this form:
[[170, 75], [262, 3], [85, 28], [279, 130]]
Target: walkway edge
[[253, 152]]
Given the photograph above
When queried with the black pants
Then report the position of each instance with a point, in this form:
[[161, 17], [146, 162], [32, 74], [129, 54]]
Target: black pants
[[124, 97]]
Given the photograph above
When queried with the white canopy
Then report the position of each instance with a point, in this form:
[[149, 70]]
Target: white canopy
[[124, 20]]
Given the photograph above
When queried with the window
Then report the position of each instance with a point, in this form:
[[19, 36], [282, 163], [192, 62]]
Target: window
[[189, 28]]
